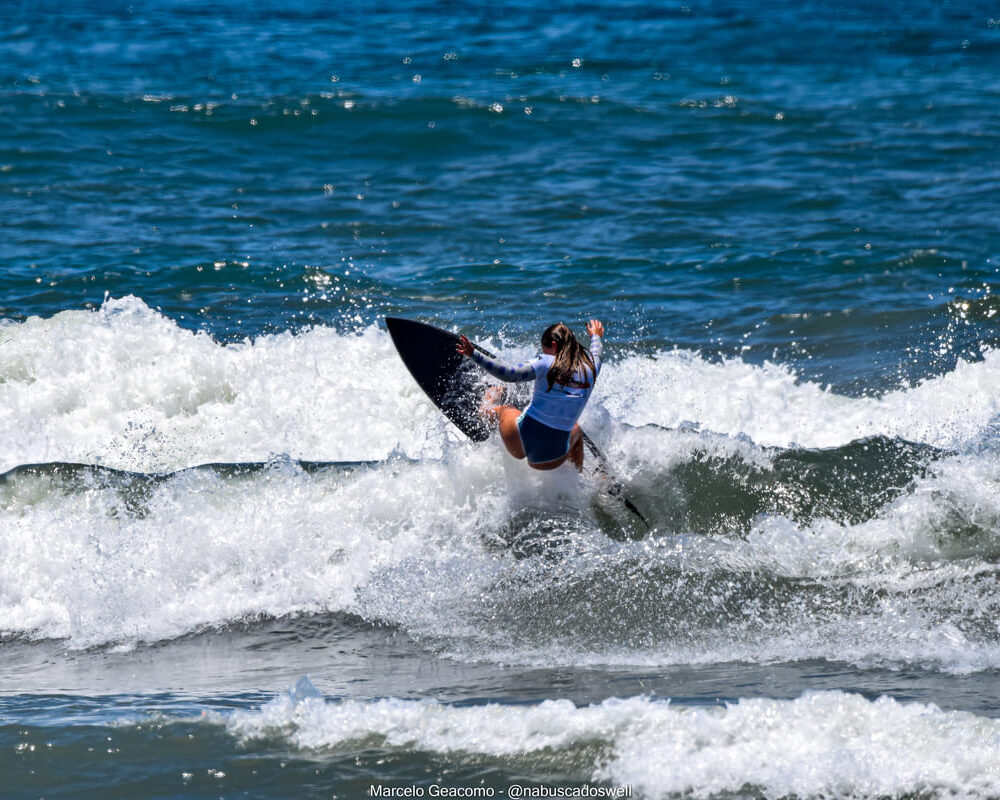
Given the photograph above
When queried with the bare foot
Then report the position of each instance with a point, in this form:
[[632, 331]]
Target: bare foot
[[493, 399]]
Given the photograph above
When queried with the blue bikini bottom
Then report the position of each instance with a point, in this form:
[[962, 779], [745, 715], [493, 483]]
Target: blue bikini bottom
[[541, 443]]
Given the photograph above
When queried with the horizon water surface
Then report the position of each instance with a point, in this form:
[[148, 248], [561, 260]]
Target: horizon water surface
[[242, 556]]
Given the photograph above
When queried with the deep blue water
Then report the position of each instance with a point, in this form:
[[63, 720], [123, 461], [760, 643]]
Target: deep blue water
[[785, 214]]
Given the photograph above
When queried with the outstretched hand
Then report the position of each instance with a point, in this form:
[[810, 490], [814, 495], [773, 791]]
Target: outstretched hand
[[465, 347], [595, 327]]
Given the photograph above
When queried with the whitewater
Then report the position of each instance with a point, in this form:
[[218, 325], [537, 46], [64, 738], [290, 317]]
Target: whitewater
[[348, 493]]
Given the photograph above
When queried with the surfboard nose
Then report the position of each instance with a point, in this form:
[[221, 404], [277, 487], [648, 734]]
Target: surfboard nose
[[452, 383]]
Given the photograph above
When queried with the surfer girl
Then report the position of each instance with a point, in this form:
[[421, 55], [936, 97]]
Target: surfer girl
[[546, 432]]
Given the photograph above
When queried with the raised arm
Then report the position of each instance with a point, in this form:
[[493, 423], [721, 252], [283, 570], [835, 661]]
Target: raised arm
[[499, 370], [596, 330]]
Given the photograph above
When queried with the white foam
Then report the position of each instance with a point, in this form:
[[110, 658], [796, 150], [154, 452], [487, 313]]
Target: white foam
[[828, 744], [404, 542], [204, 550], [772, 407], [126, 387]]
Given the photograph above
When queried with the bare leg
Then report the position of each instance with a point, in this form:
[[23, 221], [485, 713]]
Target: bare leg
[[506, 417], [576, 448]]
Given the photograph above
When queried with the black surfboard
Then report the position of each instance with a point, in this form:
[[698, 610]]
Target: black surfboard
[[455, 385], [452, 382]]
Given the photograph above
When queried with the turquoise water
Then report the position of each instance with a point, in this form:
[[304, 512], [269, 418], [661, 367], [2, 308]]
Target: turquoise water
[[785, 216]]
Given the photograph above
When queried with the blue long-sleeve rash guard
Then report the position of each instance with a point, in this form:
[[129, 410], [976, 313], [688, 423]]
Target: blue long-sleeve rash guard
[[559, 407]]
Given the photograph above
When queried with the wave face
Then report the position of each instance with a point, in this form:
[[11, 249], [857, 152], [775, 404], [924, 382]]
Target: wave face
[[859, 530]]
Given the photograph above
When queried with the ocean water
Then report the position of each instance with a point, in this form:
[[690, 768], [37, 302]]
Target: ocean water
[[242, 556]]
